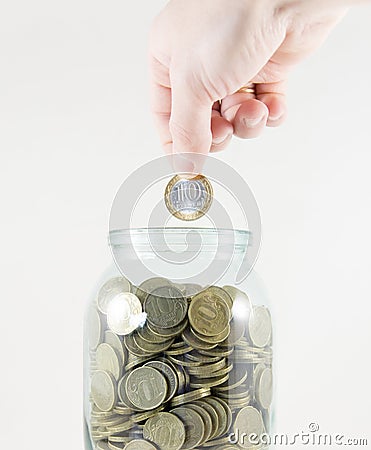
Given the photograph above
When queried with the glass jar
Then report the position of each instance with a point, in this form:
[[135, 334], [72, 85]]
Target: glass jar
[[171, 364]]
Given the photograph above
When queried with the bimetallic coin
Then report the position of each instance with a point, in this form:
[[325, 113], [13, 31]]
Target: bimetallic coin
[[208, 314], [264, 392], [139, 444], [109, 290], [104, 390], [146, 388], [165, 430], [166, 307], [248, 421], [124, 314], [260, 326], [108, 360], [188, 198], [194, 426]]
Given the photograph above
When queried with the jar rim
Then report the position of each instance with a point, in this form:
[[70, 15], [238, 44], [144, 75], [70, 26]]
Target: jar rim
[[121, 237]]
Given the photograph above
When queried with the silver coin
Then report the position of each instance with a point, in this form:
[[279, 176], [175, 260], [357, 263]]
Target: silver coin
[[264, 392], [260, 326], [248, 421], [103, 390], [109, 290], [94, 329], [124, 314], [108, 360], [115, 341]]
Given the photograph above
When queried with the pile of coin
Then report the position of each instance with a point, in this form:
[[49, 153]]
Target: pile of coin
[[178, 367]]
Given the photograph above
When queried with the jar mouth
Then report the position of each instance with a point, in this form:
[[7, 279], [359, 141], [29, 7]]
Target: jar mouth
[[178, 235]]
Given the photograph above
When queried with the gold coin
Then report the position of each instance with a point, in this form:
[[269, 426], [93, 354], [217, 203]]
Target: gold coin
[[188, 198], [209, 315]]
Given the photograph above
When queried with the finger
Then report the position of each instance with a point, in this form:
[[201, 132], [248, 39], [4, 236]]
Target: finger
[[190, 121], [273, 95], [222, 131], [247, 114], [161, 109]]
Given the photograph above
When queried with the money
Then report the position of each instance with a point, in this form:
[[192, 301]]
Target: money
[[146, 388], [139, 444], [209, 314], [165, 430], [248, 422], [194, 426], [124, 313], [188, 198], [109, 291], [197, 369], [109, 361], [166, 307], [103, 390], [260, 326]]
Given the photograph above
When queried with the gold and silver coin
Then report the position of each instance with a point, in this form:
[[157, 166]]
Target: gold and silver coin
[[188, 198]]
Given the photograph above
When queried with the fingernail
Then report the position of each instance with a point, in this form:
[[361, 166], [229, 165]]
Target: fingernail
[[251, 123], [275, 118], [218, 141], [183, 163]]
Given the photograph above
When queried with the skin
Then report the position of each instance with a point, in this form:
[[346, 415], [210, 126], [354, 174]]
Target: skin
[[203, 51]]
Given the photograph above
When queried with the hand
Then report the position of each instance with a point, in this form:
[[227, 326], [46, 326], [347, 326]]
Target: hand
[[203, 51]]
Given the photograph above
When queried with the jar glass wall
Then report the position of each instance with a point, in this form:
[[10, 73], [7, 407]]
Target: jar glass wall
[[171, 364]]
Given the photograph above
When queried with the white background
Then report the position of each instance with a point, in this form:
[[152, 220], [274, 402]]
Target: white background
[[74, 122]]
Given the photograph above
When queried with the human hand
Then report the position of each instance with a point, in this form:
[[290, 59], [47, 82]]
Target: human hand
[[205, 51]]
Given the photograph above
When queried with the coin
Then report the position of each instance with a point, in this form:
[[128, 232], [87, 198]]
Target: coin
[[147, 286], [260, 326], [188, 198], [166, 307], [194, 426], [109, 290], [170, 375], [264, 391], [189, 397], [206, 418], [221, 413], [208, 314], [139, 444], [146, 388], [115, 342], [151, 348], [124, 314], [213, 415], [108, 360], [198, 343], [248, 421], [165, 430], [94, 329], [104, 390]]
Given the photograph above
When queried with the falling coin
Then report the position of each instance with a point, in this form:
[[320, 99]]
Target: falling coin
[[189, 198]]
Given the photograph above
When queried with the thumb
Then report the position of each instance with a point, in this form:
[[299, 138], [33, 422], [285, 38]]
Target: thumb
[[190, 125]]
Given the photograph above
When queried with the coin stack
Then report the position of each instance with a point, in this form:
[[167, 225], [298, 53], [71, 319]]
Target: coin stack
[[178, 367]]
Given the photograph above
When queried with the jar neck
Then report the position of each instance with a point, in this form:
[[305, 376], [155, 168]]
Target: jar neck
[[181, 254]]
